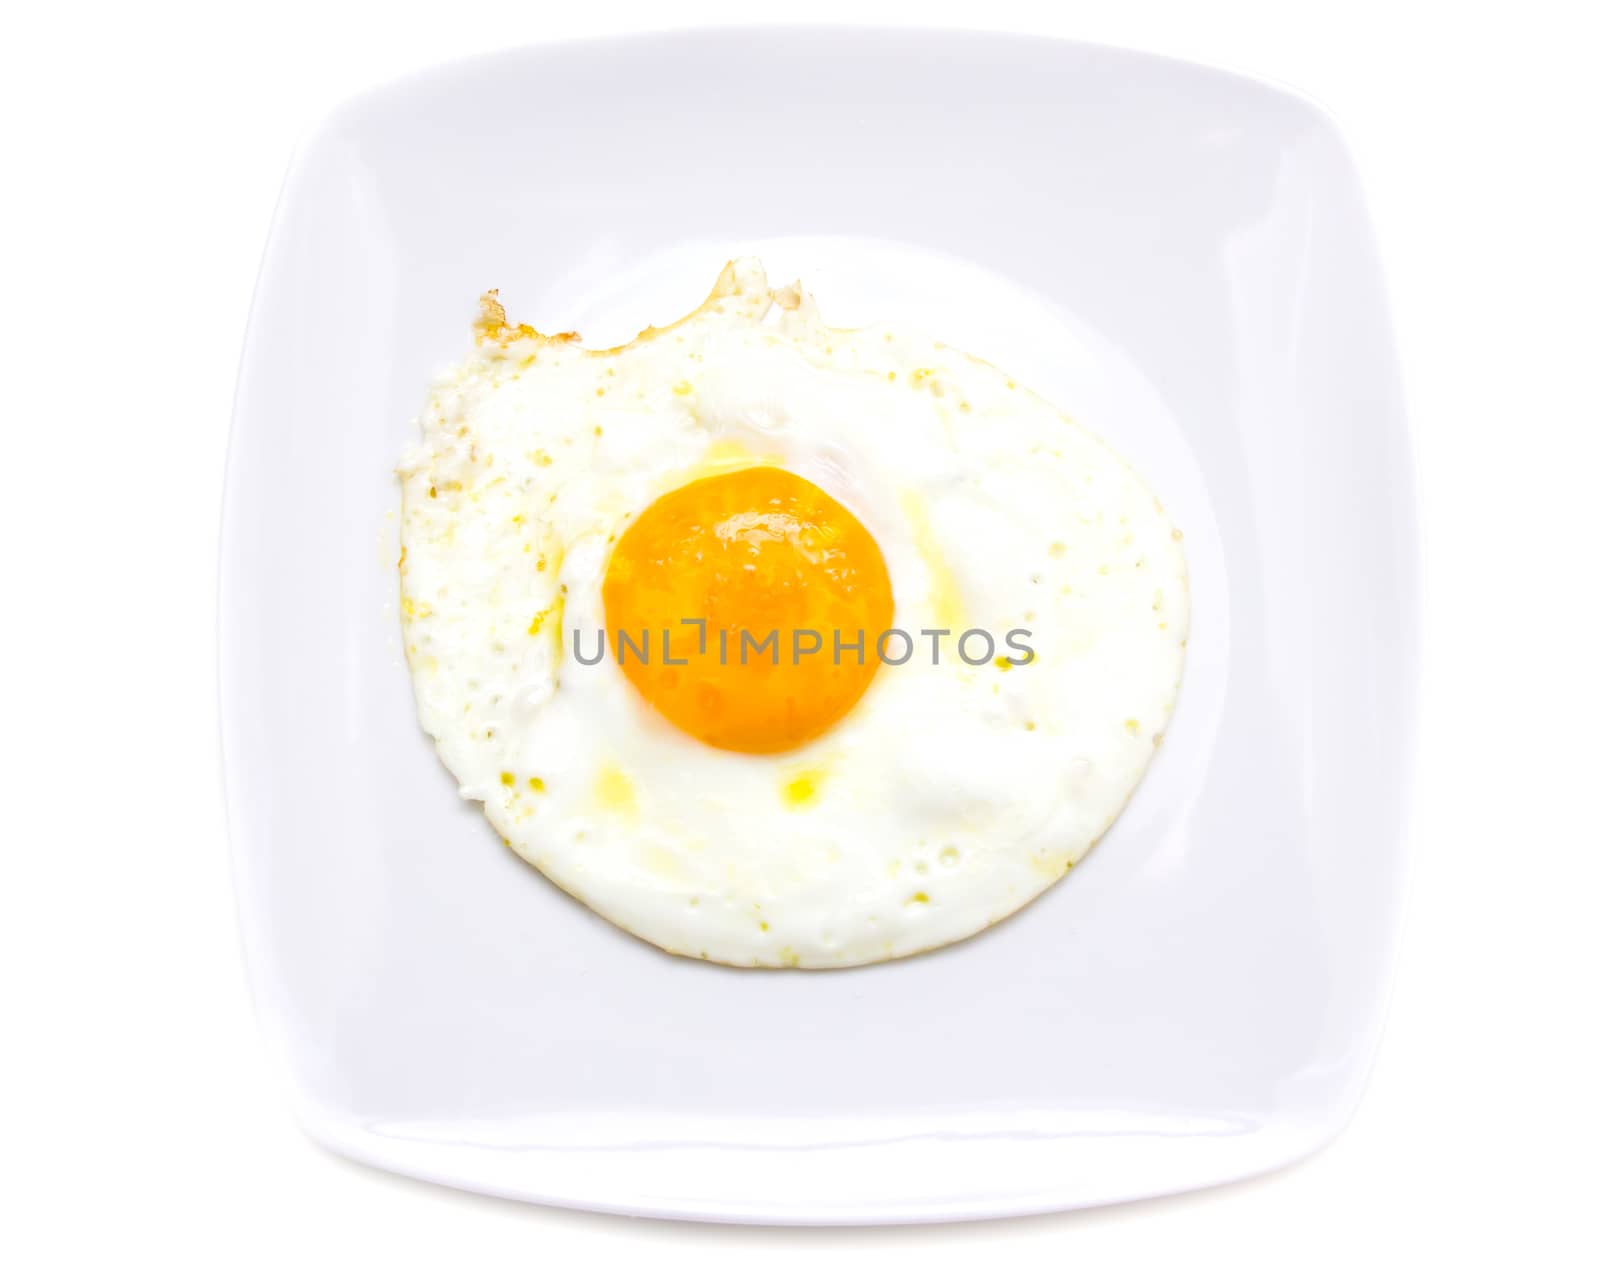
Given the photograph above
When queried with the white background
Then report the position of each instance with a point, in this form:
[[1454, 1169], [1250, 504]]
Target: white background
[[143, 148]]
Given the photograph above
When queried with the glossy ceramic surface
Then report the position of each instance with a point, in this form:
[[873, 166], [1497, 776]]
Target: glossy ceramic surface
[[1178, 257]]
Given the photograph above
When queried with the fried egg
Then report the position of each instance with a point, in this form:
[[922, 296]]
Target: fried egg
[[967, 618]]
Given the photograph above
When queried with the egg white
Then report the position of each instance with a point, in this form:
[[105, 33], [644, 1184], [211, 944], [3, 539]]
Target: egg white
[[952, 794]]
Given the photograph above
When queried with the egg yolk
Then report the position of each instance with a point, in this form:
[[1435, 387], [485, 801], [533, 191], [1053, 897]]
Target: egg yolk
[[746, 608]]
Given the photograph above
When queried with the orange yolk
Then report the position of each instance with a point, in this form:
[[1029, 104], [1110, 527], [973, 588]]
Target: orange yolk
[[779, 571]]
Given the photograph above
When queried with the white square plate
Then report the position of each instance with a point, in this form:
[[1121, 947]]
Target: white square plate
[[1178, 257]]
